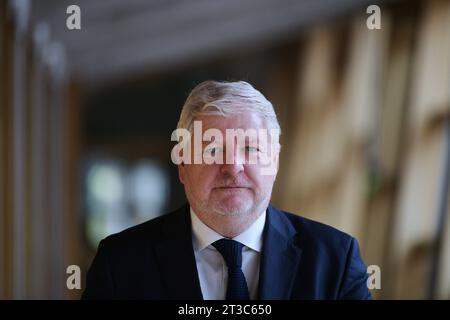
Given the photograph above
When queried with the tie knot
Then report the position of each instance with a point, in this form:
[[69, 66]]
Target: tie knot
[[231, 252]]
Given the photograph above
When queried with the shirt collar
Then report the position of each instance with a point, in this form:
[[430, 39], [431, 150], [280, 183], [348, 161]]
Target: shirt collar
[[203, 236]]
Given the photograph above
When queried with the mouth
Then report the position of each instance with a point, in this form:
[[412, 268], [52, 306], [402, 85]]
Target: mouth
[[232, 187]]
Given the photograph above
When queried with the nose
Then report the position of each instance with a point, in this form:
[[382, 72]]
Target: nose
[[231, 169], [233, 165]]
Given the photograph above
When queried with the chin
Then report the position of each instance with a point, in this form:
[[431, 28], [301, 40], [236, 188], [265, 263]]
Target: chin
[[233, 208]]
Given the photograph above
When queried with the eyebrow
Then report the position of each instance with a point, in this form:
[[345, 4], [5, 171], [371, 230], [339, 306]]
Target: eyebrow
[[209, 142], [224, 144]]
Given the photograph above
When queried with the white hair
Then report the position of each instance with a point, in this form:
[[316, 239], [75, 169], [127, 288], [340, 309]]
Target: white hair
[[226, 98]]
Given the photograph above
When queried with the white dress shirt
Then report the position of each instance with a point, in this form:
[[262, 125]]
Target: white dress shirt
[[211, 267]]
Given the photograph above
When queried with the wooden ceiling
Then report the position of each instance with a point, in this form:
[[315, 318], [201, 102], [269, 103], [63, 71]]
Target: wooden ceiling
[[121, 38]]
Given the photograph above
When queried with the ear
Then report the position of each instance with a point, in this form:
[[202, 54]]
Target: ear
[[181, 172], [276, 159]]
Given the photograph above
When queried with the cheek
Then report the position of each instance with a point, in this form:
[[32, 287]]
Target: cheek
[[260, 181], [202, 179], [253, 174]]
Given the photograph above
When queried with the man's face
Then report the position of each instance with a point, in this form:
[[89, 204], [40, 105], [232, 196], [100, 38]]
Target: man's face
[[230, 189]]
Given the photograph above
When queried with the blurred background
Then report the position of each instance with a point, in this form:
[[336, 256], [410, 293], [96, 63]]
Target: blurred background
[[86, 117]]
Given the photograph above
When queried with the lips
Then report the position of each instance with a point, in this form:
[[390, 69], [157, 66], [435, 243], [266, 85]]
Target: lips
[[236, 188], [232, 187]]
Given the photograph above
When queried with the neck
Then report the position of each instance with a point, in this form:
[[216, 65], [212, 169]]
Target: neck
[[229, 226]]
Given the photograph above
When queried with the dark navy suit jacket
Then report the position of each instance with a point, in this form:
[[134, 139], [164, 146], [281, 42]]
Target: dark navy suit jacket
[[301, 259]]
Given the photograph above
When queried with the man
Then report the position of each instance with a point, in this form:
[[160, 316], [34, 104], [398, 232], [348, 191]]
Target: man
[[228, 242]]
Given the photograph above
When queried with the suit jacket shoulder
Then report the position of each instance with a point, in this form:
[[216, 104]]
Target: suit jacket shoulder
[[331, 266], [319, 234], [147, 261]]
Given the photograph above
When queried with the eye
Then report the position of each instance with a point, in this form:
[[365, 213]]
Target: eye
[[212, 151], [251, 149]]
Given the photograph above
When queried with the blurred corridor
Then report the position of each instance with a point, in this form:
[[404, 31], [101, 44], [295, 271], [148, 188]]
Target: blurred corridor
[[86, 117]]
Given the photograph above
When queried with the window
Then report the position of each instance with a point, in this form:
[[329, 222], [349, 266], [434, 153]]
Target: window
[[120, 195]]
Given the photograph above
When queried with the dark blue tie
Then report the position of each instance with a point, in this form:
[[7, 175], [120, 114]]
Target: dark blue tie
[[231, 252]]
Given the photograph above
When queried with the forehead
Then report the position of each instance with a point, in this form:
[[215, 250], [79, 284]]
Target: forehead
[[239, 121]]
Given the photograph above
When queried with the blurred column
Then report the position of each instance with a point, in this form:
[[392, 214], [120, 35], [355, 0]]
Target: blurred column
[[40, 230], [73, 222], [436, 289], [20, 10], [3, 149], [57, 196]]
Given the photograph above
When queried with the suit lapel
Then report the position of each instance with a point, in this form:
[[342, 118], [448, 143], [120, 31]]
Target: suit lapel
[[176, 258], [280, 257]]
